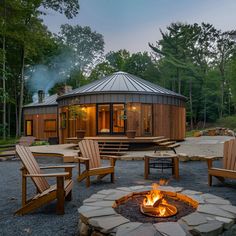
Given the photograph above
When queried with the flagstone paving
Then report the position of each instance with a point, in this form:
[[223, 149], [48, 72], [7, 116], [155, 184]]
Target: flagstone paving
[[193, 176]]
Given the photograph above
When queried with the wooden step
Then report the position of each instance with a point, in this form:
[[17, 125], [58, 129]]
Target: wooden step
[[173, 145], [161, 140], [167, 143]]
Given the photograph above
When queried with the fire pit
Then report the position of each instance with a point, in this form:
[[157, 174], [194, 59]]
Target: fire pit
[[155, 204], [155, 210]]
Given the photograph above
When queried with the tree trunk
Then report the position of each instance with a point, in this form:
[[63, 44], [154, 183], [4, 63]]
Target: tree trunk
[[4, 88], [4, 76], [179, 81], [205, 112], [21, 90], [9, 120], [222, 99], [191, 104]]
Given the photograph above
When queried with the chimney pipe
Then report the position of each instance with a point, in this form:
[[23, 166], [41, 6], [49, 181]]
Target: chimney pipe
[[41, 96]]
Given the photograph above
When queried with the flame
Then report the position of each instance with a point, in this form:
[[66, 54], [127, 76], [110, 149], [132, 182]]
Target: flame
[[155, 199]]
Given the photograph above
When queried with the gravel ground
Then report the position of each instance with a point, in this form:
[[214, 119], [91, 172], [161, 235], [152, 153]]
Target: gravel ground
[[46, 222]]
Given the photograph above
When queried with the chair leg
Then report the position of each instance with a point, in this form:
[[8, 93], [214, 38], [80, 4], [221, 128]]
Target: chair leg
[[69, 196], [87, 181], [112, 177], [60, 196], [209, 180]]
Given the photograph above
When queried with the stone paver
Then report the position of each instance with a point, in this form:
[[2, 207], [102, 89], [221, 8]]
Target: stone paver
[[212, 228], [105, 224], [213, 210], [170, 229], [125, 229], [194, 219], [144, 229]]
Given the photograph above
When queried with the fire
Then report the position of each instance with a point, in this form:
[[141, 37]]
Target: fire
[[155, 203]]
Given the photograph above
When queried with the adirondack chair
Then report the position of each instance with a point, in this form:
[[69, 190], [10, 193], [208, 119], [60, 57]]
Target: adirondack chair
[[229, 163], [45, 193], [91, 158]]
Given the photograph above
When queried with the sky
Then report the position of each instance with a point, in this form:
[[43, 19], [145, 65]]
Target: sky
[[132, 24]]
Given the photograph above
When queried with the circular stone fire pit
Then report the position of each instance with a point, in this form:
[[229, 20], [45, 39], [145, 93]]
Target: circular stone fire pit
[[101, 214]]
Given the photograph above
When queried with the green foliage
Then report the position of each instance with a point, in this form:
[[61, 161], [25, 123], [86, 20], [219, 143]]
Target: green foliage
[[227, 122], [40, 143]]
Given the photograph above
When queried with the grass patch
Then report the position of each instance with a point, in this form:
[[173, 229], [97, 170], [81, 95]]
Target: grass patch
[[8, 141], [227, 122]]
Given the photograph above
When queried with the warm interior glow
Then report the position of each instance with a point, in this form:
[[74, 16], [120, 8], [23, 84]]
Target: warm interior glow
[[155, 203]]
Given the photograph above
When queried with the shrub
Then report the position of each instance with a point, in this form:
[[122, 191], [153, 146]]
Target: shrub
[[227, 122]]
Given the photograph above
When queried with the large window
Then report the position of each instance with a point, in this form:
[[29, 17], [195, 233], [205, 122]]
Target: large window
[[147, 118], [111, 118], [104, 118], [50, 125], [29, 128], [119, 118]]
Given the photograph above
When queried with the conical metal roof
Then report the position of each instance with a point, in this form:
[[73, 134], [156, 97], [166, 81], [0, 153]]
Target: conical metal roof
[[122, 82]]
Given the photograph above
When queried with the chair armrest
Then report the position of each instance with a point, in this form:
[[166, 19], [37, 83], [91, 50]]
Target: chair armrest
[[110, 157], [210, 158], [54, 167], [82, 159], [62, 174]]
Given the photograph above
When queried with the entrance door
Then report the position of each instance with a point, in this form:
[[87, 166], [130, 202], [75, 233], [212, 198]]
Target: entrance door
[[118, 119], [29, 128], [111, 119], [104, 119]]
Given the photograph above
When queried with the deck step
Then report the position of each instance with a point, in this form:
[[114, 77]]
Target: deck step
[[161, 140], [167, 143], [174, 145]]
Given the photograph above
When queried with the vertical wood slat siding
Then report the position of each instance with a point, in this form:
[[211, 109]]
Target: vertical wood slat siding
[[229, 160], [169, 121], [38, 125]]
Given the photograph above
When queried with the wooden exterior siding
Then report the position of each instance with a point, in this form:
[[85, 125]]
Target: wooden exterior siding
[[39, 125], [169, 121]]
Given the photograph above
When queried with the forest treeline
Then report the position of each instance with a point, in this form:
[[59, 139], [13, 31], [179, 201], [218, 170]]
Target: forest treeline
[[196, 60]]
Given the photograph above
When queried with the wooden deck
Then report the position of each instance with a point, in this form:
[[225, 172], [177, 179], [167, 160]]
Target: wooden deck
[[118, 139]]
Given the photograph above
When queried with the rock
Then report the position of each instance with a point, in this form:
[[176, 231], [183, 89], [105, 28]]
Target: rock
[[170, 229], [212, 228], [83, 229], [229, 208], [134, 188], [125, 229], [144, 230], [183, 157], [190, 192], [194, 219], [95, 233], [117, 195], [125, 189], [100, 203], [198, 198], [98, 213], [228, 223], [215, 211], [84, 208], [107, 223], [217, 201]]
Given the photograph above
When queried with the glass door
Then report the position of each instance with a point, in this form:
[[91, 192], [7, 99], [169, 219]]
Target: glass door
[[103, 119], [118, 118]]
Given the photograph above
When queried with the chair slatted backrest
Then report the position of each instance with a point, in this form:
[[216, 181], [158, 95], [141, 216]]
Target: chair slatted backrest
[[32, 167], [90, 149], [229, 161]]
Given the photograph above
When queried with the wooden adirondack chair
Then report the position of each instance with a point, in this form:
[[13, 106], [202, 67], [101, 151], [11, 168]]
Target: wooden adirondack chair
[[45, 193], [229, 163], [92, 159]]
